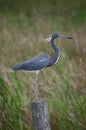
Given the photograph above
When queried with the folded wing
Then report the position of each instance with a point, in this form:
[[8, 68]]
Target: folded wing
[[36, 63]]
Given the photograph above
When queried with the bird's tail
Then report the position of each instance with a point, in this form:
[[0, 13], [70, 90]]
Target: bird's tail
[[17, 67]]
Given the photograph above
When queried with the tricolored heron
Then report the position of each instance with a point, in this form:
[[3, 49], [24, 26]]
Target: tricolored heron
[[41, 62]]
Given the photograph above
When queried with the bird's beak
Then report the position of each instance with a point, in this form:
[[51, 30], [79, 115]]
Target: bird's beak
[[47, 39], [66, 37]]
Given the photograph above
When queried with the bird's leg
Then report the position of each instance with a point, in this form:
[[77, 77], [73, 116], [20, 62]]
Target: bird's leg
[[36, 86]]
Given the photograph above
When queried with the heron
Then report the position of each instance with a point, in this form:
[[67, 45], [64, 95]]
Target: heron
[[41, 62]]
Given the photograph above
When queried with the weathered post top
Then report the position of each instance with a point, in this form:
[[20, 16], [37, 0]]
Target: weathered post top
[[40, 114]]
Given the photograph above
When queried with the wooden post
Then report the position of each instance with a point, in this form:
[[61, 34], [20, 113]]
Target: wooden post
[[40, 115]]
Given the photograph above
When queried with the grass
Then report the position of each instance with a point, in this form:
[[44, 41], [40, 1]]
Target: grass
[[21, 37]]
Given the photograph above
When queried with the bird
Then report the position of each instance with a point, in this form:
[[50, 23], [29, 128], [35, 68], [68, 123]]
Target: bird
[[38, 63]]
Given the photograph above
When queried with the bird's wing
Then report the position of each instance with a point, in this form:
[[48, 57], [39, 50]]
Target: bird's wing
[[36, 63]]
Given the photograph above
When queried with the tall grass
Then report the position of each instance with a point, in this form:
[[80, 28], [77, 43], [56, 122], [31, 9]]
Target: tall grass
[[10, 107], [21, 37]]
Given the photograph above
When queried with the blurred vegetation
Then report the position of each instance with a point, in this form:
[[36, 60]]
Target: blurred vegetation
[[23, 27]]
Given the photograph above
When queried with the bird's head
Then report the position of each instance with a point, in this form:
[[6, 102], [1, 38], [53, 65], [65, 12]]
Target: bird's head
[[56, 35]]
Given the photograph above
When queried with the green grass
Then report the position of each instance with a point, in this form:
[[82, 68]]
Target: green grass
[[10, 107], [21, 37]]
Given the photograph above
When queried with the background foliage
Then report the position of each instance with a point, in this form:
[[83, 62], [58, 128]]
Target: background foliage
[[23, 27]]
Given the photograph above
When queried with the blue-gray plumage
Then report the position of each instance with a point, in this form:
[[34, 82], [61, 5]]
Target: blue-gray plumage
[[40, 62], [36, 63], [43, 61]]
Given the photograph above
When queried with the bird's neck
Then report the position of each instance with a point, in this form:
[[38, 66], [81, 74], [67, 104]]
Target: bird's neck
[[56, 49]]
